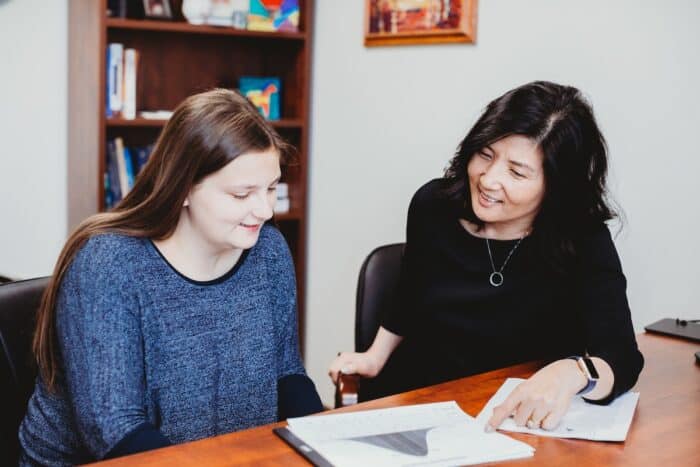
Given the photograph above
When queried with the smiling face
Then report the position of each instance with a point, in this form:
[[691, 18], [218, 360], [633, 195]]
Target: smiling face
[[506, 183], [228, 208]]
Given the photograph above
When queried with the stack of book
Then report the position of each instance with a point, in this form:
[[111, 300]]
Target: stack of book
[[122, 67], [123, 165]]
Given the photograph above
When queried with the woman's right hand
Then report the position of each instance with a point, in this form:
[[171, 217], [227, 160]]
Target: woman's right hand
[[354, 363]]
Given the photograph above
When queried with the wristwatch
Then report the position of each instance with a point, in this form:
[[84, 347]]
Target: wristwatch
[[586, 365]]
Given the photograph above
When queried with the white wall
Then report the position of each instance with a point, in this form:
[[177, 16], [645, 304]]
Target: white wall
[[385, 120], [33, 133]]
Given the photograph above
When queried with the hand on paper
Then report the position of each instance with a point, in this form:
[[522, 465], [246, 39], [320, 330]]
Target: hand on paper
[[542, 400]]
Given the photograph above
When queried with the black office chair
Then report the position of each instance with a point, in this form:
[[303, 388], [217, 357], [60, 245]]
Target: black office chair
[[19, 302], [377, 291]]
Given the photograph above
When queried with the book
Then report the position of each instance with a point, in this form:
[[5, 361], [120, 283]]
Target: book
[[140, 155], [131, 57], [112, 173], [129, 166], [115, 64], [264, 93], [121, 165]]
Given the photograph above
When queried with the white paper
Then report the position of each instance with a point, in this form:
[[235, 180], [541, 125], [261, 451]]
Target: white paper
[[426, 434], [582, 420]]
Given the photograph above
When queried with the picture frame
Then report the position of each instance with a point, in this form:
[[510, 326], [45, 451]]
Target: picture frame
[[408, 22], [157, 9]]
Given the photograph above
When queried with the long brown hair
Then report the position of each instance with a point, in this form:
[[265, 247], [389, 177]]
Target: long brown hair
[[206, 132]]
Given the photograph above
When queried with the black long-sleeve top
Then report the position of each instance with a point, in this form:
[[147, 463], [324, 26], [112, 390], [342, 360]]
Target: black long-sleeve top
[[455, 323]]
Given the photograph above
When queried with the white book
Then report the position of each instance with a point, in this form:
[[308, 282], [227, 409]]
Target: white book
[[131, 58], [114, 77], [121, 166]]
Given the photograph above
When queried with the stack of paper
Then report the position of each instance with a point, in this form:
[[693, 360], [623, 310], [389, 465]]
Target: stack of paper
[[582, 420], [435, 434]]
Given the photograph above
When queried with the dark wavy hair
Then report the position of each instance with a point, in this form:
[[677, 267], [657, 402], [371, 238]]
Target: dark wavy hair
[[561, 122]]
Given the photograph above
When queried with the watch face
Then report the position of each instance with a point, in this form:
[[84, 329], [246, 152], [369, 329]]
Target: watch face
[[591, 367]]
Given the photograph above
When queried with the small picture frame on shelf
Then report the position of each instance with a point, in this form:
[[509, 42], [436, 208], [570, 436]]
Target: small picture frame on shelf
[[264, 93], [157, 9]]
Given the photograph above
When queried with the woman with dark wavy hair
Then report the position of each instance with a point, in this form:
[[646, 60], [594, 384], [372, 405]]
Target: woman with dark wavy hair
[[173, 316], [508, 259]]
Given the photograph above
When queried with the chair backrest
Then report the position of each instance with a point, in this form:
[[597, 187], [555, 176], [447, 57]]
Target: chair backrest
[[19, 302], [376, 291]]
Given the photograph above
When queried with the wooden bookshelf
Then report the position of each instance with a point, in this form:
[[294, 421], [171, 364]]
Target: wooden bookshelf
[[149, 122], [176, 60]]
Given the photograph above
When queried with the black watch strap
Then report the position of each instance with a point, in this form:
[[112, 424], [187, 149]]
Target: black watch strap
[[586, 366]]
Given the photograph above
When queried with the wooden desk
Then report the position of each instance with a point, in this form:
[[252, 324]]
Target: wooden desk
[[665, 430]]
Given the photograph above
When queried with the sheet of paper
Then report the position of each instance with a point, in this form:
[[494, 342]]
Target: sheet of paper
[[426, 434], [582, 420]]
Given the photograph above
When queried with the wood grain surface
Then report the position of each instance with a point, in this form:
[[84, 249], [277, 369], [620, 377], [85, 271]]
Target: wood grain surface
[[664, 432]]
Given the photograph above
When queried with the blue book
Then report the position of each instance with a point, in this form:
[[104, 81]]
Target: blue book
[[264, 93], [128, 164], [140, 156], [113, 172]]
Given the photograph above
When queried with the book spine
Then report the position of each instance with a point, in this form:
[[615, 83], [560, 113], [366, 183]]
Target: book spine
[[128, 162], [131, 57], [114, 78], [121, 164], [113, 172]]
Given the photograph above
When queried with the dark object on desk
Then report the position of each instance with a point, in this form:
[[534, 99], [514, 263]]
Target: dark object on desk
[[347, 389], [301, 447], [19, 302], [686, 329]]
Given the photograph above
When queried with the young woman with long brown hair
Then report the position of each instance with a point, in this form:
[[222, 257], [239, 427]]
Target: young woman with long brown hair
[[173, 317]]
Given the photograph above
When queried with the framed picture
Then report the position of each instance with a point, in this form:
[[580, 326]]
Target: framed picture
[[402, 22], [158, 9]]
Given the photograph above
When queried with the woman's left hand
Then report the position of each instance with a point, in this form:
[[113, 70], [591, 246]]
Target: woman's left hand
[[543, 399]]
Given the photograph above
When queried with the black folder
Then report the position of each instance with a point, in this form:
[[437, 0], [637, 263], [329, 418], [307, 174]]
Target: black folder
[[302, 448], [676, 328]]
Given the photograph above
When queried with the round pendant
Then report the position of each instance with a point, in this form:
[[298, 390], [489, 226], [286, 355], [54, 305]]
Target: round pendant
[[496, 279]]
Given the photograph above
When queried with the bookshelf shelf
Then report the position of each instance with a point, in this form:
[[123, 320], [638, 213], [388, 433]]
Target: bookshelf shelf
[[176, 60], [182, 27], [149, 122], [294, 215]]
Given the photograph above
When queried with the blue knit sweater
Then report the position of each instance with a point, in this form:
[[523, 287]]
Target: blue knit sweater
[[142, 344]]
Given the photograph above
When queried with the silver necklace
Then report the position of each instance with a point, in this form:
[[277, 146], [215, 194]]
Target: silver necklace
[[496, 277]]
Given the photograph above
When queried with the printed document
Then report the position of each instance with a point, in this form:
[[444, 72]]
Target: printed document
[[426, 434], [582, 420]]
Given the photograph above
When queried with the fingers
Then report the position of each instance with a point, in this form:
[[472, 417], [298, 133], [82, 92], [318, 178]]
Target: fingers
[[339, 364], [500, 412], [523, 412], [551, 421], [536, 417], [348, 363]]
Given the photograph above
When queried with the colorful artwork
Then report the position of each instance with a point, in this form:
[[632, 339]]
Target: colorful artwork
[[394, 22], [274, 15], [264, 93]]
